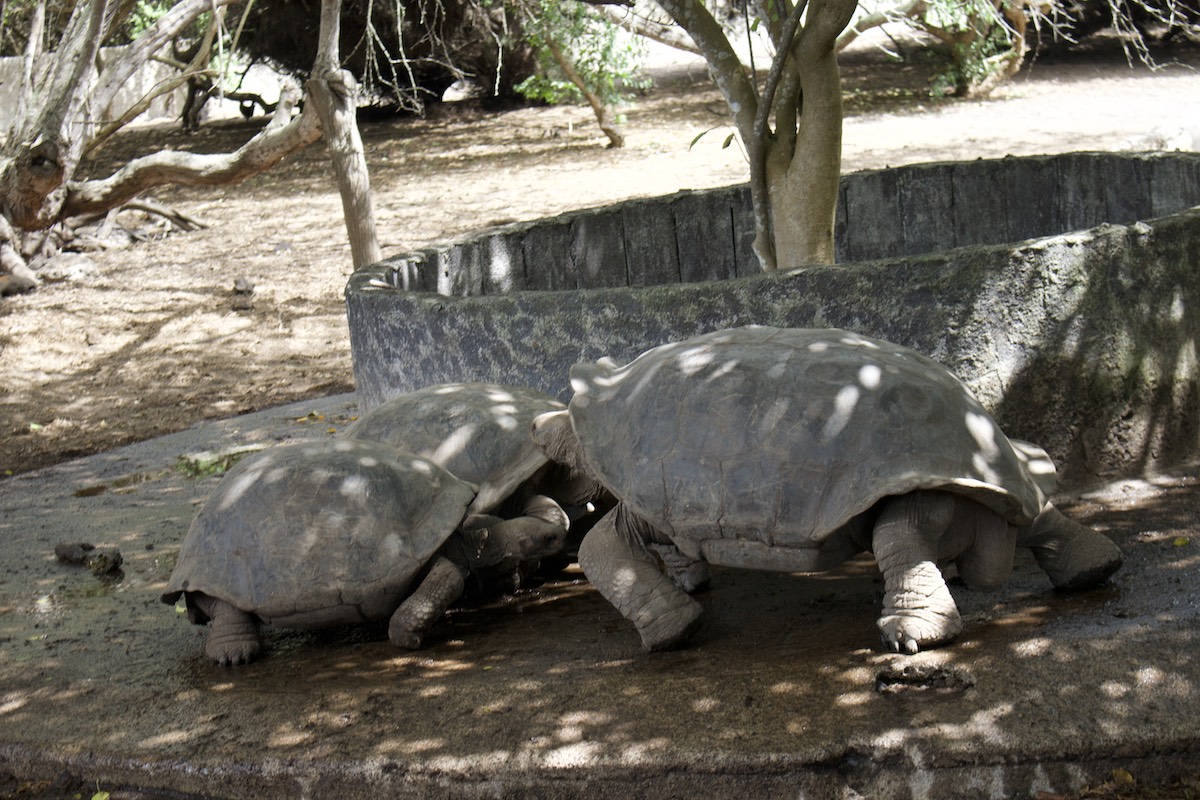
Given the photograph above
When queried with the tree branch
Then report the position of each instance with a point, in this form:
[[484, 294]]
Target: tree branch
[[764, 239], [279, 139], [723, 62], [913, 9], [650, 29], [153, 39]]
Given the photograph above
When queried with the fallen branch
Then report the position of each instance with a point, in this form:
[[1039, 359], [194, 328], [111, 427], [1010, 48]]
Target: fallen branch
[[173, 215]]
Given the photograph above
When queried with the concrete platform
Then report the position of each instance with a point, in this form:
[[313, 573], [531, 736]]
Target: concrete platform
[[785, 693]]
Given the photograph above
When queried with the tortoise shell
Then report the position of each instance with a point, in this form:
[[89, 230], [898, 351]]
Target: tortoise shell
[[320, 532], [782, 436], [478, 431]]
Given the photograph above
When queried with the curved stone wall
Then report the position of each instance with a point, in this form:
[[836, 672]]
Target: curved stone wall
[[1084, 341]]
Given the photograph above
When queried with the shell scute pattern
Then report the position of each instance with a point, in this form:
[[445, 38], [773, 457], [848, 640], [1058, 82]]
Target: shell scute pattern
[[814, 426], [319, 532], [477, 431]]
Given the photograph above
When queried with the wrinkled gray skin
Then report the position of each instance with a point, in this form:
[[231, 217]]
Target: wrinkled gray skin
[[480, 432], [335, 532], [793, 450]]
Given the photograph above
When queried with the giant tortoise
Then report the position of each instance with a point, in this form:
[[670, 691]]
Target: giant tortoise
[[481, 433], [793, 450], [332, 532]]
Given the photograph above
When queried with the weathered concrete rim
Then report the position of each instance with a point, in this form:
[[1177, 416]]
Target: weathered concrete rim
[[709, 774]]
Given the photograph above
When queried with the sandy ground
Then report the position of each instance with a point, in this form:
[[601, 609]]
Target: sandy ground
[[152, 340]]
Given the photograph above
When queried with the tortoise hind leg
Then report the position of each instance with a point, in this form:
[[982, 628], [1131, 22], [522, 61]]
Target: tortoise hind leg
[[233, 636], [1073, 555]]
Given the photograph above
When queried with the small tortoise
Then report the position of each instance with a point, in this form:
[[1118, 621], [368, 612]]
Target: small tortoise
[[481, 433], [794, 450], [333, 532]]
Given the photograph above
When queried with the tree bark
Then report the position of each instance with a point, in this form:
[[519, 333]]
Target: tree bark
[[795, 167], [804, 170], [334, 93], [279, 139], [29, 63]]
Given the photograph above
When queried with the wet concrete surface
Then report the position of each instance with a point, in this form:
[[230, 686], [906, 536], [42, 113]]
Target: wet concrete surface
[[786, 692]]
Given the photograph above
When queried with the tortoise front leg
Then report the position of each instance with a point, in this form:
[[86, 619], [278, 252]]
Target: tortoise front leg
[[440, 587], [233, 636], [615, 559], [918, 610]]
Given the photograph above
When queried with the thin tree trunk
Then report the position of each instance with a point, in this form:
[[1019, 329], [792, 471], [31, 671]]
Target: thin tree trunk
[[615, 137], [334, 93], [29, 65]]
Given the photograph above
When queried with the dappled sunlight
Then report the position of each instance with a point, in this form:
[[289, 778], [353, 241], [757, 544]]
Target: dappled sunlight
[[1112, 318], [861, 419], [477, 431]]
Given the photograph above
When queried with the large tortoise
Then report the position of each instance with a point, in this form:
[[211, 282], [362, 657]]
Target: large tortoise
[[481, 433], [793, 450], [333, 532]]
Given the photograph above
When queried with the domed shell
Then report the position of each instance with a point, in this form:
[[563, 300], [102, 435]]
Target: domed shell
[[322, 532], [478, 431], [781, 436]]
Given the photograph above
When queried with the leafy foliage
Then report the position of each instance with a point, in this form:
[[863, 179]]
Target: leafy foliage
[[403, 51], [605, 60]]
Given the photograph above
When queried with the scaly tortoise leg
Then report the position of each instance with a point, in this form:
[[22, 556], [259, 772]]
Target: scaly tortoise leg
[[918, 610], [440, 587], [615, 558], [233, 635]]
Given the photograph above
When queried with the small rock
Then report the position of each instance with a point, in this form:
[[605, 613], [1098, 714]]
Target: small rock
[[67, 267], [100, 561], [243, 287]]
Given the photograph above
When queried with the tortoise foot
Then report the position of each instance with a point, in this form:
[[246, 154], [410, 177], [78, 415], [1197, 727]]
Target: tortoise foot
[[1073, 555], [912, 630], [233, 638], [672, 630]]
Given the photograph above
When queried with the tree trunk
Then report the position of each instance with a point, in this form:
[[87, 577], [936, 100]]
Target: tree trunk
[[795, 169], [334, 98], [615, 137], [334, 93], [803, 185]]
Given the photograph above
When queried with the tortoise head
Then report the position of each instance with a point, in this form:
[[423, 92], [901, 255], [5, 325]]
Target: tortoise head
[[554, 435]]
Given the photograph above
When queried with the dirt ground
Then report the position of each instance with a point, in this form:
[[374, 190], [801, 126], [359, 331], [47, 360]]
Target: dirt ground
[[154, 340]]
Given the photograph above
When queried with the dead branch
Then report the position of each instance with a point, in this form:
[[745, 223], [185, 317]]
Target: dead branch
[[912, 10], [173, 215], [279, 139], [640, 25]]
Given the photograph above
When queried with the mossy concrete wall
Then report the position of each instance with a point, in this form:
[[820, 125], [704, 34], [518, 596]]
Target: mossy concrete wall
[[1063, 290]]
